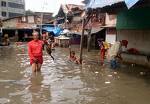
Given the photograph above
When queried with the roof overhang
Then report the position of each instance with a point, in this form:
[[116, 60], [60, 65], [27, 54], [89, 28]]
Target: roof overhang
[[96, 29], [101, 3], [94, 4], [109, 26]]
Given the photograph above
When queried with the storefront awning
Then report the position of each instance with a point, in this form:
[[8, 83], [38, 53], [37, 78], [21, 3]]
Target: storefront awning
[[109, 26], [62, 37], [95, 30]]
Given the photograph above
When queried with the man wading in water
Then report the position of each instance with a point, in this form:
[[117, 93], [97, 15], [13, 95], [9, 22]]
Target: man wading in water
[[35, 48]]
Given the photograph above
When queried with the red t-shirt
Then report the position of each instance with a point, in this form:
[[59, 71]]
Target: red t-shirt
[[35, 48]]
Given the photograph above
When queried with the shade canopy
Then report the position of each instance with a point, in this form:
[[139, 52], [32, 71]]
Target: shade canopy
[[53, 29]]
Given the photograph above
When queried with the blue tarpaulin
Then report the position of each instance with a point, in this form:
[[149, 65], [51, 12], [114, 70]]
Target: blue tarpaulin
[[53, 29], [130, 3], [101, 3]]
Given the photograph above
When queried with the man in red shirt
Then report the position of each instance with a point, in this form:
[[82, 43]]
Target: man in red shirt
[[35, 48]]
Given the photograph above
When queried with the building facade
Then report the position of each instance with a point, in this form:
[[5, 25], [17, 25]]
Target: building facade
[[21, 27], [46, 16], [11, 8], [134, 26], [22, 22]]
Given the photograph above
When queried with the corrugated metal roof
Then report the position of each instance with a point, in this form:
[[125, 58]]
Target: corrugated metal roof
[[68, 7], [102, 3]]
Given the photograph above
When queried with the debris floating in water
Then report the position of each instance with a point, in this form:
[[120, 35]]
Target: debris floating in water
[[5, 71], [7, 87], [142, 73], [89, 66], [96, 72], [115, 73], [107, 82], [109, 75], [4, 100], [8, 100], [132, 65]]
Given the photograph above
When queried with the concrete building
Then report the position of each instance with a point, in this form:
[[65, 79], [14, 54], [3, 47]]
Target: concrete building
[[11, 8], [22, 22], [134, 25], [18, 27], [110, 25]]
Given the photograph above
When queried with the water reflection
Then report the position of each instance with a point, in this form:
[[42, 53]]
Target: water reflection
[[63, 82], [39, 92]]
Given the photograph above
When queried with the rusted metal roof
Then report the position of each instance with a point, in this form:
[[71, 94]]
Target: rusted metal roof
[[70, 7]]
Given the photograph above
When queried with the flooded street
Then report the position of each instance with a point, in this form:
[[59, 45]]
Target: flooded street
[[63, 82]]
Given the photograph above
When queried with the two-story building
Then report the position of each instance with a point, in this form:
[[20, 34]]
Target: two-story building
[[17, 27]]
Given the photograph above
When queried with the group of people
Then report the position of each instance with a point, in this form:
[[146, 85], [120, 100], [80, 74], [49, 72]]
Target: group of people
[[112, 52], [36, 46]]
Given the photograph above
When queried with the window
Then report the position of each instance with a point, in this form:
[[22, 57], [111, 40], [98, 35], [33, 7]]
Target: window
[[14, 14], [4, 14], [30, 19], [3, 4], [23, 19], [15, 5]]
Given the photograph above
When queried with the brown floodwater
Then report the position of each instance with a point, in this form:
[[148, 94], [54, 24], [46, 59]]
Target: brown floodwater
[[63, 82]]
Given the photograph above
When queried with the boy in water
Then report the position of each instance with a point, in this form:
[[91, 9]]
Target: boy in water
[[73, 57]]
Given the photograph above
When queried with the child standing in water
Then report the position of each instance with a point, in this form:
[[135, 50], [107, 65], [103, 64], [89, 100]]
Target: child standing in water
[[102, 54], [102, 51]]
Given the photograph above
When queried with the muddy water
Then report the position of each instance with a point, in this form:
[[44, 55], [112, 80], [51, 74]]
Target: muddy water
[[63, 82]]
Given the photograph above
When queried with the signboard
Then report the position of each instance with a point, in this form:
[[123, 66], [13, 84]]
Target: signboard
[[130, 3]]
